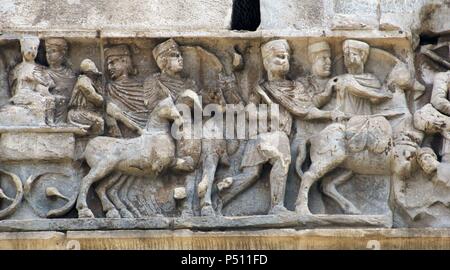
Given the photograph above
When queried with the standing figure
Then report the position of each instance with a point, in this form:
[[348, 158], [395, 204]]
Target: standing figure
[[30, 83], [63, 77], [86, 102]]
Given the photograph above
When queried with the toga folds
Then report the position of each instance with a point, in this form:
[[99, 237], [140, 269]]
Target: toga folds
[[159, 86], [128, 95], [354, 93], [64, 80]]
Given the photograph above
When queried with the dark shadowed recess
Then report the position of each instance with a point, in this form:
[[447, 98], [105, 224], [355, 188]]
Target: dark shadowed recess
[[246, 15]]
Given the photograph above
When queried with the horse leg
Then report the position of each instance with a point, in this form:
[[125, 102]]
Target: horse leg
[[206, 185], [329, 188], [113, 194], [240, 182], [123, 195], [108, 206], [318, 169], [278, 177], [95, 174]]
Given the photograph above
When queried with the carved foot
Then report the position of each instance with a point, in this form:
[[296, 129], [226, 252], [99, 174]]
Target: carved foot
[[208, 211], [126, 214], [225, 183], [113, 213], [85, 213], [278, 209]]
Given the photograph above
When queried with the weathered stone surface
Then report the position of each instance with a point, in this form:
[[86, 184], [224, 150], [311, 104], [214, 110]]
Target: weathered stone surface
[[294, 14], [96, 111], [279, 239], [36, 146], [79, 15]]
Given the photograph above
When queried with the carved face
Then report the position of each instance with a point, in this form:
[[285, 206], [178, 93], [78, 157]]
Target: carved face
[[173, 61], [278, 62], [428, 163], [354, 59], [118, 66], [321, 65], [55, 56], [29, 50]]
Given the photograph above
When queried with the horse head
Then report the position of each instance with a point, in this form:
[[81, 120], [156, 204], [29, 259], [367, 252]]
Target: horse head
[[162, 114]]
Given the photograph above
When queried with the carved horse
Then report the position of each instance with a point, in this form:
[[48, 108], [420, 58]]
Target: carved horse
[[150, 153], [214, 150], [331, 149]]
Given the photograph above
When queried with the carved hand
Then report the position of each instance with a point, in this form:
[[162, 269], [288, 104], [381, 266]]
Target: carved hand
[[338, 116]]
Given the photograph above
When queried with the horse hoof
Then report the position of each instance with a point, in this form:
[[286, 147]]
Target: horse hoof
[[303, 211], [208, 211], [201, 189], [85, 213], [187, 213], [353, 211], [126, 214], [113, 213], [278, 209], [225, 183]]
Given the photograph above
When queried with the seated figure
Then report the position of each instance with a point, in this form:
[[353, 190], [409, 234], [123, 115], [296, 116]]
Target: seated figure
[[31, 102]]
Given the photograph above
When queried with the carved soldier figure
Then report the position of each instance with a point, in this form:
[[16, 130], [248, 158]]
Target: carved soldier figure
[[319, 88], [440, 101], [433, 192], [274, 146], [30, 83], [125, 95], [357, 90], [86, 100], [171, 83], [63, 77]]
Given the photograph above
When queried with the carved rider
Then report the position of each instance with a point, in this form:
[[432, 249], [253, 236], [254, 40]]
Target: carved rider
[[274, 147], [63, 77], [169, 82], [125, 95], [86, 101], [357, 90], [319, 89]]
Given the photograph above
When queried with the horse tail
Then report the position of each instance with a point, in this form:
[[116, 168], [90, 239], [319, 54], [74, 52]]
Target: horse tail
[[300, 158]]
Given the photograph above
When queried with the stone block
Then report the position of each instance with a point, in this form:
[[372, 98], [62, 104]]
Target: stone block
[[36, 146]]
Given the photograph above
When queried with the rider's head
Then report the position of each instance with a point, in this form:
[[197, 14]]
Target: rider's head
[[319, 55], [275, 56], [355, 55], [168, 57], [119, 63]]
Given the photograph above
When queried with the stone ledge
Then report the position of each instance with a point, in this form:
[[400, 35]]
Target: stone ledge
[[14, 33], [277, 239], [200, 223]]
